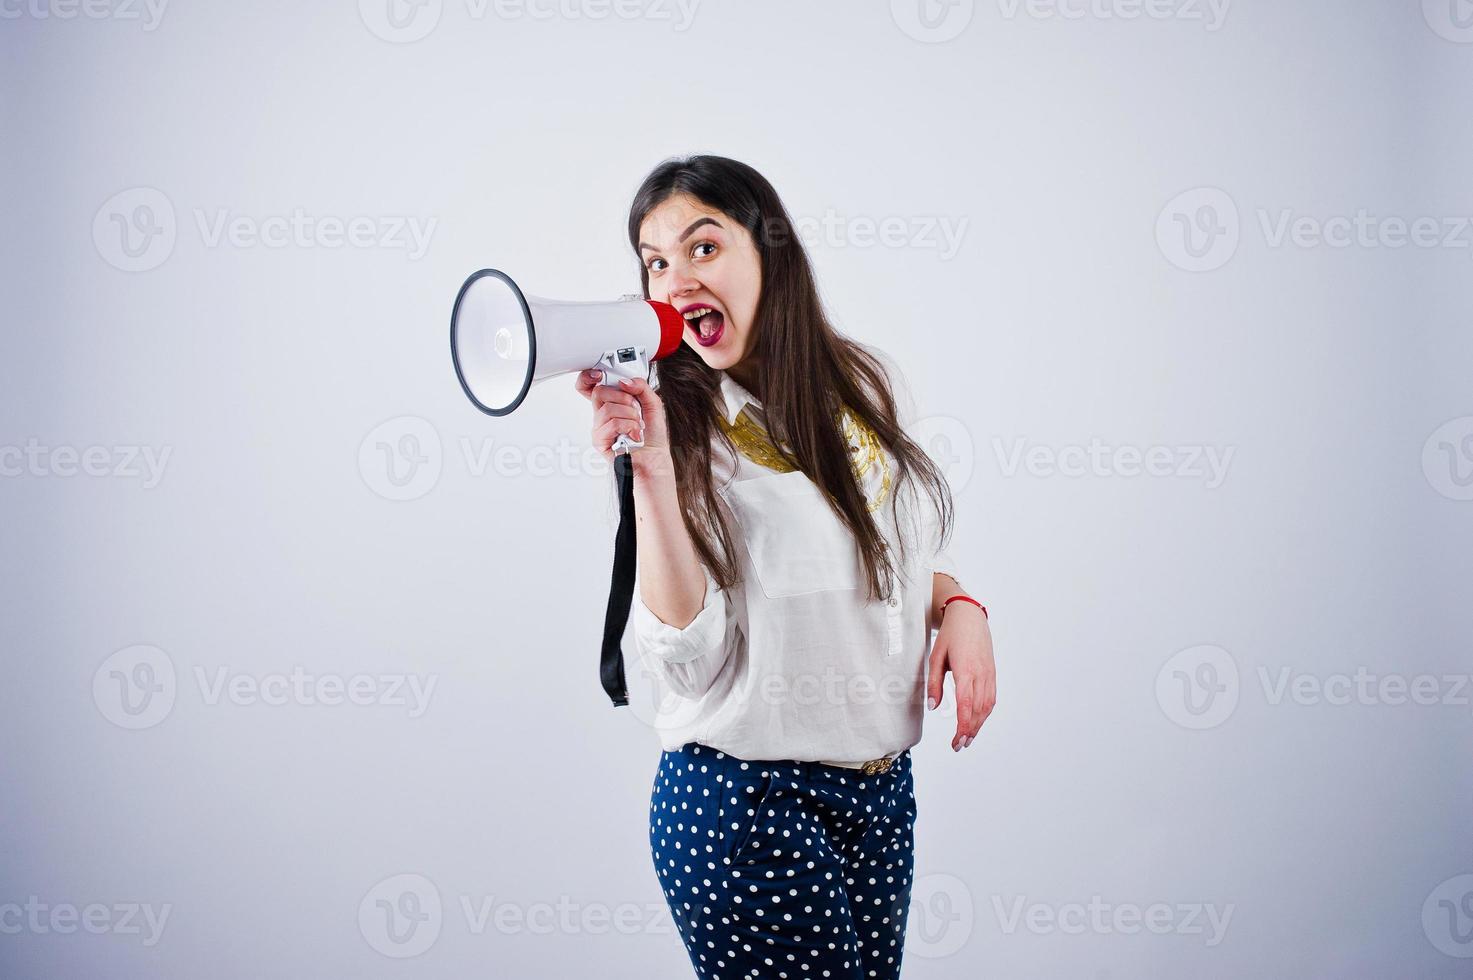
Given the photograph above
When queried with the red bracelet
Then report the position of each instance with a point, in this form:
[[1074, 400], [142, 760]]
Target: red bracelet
[[965, 598]]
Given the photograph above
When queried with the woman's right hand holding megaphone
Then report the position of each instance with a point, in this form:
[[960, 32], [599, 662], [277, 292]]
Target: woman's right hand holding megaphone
[[617, 411]]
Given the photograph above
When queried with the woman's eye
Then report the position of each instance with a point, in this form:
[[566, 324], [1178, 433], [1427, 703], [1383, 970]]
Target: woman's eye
[[710, 245], [652, 267]]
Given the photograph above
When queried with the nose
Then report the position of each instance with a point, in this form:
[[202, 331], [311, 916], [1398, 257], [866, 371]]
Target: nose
[[680, 281]]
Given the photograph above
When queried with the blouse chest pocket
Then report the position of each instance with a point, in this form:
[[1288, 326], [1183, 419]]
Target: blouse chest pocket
[[796, 542]]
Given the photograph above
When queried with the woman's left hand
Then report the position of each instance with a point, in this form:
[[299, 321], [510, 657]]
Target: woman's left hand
[[964, 647]]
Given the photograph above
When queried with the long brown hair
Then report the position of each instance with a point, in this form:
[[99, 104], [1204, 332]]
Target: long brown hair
[[807, 370]]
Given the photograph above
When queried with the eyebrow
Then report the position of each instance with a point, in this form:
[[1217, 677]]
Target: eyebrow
[[686, 234]]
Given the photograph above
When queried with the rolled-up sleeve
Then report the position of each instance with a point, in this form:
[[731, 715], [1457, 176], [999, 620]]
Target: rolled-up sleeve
[[941, 562], [687, 660]]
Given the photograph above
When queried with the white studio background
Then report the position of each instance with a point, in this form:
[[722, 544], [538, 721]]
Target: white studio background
[[1229, 239]]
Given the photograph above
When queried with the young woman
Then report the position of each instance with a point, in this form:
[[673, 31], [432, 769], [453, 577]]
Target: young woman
[[788, 584]]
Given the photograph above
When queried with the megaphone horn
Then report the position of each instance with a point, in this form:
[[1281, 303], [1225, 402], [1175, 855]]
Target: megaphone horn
[[504, 341]]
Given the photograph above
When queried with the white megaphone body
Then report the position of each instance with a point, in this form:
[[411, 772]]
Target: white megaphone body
[[504, 341]]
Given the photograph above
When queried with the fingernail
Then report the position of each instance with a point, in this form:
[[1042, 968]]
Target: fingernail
[[627, 382], [967, 742], [597, 375], [930, 704]]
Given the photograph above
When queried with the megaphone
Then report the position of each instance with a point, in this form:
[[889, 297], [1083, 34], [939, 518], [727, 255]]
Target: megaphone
[[504, 341]]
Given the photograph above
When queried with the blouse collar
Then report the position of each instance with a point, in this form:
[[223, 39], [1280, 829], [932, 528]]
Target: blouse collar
[[734, 398]]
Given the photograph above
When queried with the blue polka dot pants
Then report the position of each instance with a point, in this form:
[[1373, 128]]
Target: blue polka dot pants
[[784, 869]]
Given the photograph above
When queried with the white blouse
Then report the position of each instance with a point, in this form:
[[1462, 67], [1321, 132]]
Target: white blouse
[[793, 662]]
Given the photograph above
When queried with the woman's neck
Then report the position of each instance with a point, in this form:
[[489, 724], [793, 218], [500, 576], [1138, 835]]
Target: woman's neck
[[747, 375]]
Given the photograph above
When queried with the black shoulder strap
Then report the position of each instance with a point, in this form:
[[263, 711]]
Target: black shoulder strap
[[621, 587]]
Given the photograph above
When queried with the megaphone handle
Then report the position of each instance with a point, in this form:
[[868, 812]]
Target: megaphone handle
[[616, 365], [624, 363]]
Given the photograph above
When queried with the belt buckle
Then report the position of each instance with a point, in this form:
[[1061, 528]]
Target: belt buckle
[[876, 766]]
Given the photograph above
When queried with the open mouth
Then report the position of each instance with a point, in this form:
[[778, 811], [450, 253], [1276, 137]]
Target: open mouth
[[707, 322]]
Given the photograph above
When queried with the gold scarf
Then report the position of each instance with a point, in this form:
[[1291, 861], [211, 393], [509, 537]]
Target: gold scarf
[[865, 449]]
